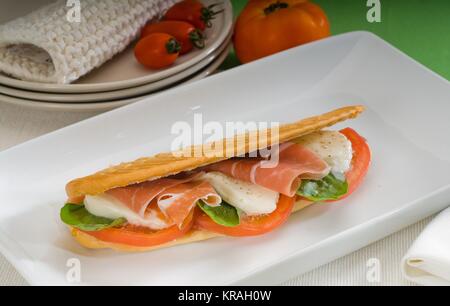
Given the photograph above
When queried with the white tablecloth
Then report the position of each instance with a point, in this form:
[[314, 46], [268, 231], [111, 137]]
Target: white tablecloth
[[18, 124]]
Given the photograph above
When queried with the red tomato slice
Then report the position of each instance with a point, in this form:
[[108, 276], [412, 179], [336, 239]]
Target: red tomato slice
[[360, 162], [250, 226], [141, 236]]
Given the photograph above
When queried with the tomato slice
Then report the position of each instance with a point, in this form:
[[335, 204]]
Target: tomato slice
[[250, 226], [141, 236], [360, 162]]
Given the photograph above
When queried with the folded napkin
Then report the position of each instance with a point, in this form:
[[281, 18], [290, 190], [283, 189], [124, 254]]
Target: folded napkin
[[428, 260], [47, 46]]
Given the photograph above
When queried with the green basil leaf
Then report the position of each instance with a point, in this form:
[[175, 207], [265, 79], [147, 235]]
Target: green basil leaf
[[78, 217], [225, 214], [328, 188]]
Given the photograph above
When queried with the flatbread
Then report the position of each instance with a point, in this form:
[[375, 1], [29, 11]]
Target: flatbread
[[166, 164]]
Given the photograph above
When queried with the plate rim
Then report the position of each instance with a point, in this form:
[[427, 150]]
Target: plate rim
[[105, 106], [72, 98], [399, 212]]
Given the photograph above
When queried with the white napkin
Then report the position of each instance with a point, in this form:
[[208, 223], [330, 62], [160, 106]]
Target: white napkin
[[47, 46], [428, 260]]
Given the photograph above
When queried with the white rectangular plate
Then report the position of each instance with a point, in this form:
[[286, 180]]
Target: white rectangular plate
[[406, 124]]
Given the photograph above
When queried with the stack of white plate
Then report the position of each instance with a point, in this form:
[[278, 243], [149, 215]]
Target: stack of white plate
[[123, 80]]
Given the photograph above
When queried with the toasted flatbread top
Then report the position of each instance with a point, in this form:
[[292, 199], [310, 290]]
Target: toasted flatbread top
[[166, 164]]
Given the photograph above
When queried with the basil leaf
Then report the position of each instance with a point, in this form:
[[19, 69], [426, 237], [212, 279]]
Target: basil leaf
[[225, 214], [328, 188], [78, 217]]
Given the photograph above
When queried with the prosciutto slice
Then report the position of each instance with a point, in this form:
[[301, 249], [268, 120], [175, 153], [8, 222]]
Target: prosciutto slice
[[171, 199], [295, 162]]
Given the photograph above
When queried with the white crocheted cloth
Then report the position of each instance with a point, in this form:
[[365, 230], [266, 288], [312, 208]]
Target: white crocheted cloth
[[45, 46]]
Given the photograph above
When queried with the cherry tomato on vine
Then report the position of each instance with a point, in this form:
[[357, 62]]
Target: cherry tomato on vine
[[185, 33], [194, 12], [157, 50]]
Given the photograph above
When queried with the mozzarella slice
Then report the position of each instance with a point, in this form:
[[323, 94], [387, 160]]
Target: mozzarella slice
[[109, 207], [333, 147], [250, 198]]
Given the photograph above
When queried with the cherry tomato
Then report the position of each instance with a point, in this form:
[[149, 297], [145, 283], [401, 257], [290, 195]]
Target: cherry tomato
[[194, 12], [250, 226], [157, 50], [185, 33]]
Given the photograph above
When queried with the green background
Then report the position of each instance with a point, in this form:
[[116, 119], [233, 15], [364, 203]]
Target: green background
[[420, 28]]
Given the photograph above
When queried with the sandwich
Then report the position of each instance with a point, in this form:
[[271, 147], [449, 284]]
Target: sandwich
[[181, 197]]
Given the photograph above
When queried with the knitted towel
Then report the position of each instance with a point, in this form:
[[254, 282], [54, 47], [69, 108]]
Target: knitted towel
[[50, 47]]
